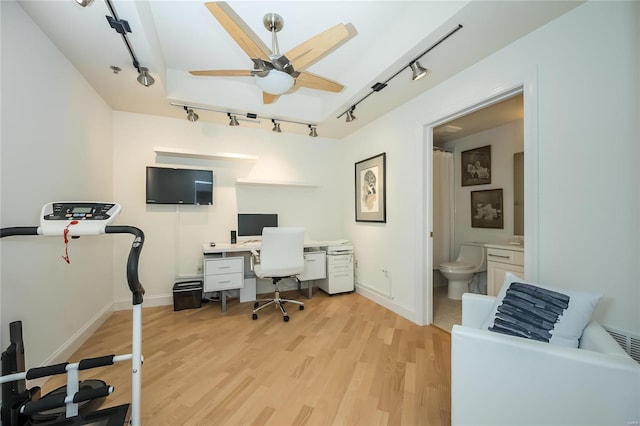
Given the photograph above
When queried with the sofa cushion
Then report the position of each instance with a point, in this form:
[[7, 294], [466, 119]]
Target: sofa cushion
[[543, 313]]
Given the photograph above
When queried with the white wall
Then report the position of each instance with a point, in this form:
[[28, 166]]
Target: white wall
[[56, 145], [505, 141], [583, 71], [174, 235]]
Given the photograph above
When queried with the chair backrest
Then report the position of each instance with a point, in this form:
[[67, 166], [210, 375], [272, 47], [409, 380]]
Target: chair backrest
[[282, 251]]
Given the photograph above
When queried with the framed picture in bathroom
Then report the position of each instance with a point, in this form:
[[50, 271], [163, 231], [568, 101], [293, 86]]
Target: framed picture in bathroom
[[486, 209], [370, 191], [476, 166]]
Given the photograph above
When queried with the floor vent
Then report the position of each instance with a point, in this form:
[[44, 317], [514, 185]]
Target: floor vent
[[628, 342]]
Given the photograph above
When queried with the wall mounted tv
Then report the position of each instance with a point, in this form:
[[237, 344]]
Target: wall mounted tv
[[179, 186]]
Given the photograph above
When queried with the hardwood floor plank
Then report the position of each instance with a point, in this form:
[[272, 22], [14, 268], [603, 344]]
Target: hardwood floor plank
[[344, 360]]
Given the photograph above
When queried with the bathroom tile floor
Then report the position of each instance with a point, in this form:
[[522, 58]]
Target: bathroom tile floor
[[446, 312]]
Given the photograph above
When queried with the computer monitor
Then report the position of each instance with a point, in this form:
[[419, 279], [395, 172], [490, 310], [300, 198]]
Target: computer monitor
[[250, 224]]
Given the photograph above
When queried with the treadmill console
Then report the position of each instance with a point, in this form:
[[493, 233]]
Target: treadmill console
[[79, 217]]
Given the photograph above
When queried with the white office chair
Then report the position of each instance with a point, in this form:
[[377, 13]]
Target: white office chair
[[281, 256]]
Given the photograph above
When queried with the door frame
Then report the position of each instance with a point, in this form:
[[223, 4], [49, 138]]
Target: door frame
[[529, 90]]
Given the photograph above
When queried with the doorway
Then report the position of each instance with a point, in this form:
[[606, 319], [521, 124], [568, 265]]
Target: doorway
[[498, 122]]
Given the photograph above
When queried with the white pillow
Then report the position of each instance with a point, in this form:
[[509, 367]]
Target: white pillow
[[543, 313]]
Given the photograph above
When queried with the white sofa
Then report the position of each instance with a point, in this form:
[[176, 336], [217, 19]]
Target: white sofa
[[498, 379]]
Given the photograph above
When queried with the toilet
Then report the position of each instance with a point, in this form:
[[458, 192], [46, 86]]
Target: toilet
[[471, 259]]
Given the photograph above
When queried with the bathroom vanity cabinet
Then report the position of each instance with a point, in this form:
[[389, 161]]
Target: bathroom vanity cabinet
[[503, 258]]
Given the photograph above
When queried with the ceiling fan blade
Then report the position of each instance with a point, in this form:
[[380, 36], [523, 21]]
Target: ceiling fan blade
[[268, 98], [314, 49], [223, 73], [239, 30], [312, 81]]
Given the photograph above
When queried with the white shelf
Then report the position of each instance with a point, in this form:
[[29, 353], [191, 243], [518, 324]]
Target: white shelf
[[244, 181], [177, 152]]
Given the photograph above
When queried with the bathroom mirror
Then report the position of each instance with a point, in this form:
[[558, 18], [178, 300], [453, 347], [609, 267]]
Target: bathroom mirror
[[518, 193]]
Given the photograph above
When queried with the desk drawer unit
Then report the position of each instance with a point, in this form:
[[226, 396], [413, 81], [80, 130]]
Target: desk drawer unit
[[223, 274], [314, 266], [339, 274]]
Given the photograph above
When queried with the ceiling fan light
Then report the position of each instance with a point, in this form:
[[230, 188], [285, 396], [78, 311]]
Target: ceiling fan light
[[418, 70], [275, 83], [145, 78]]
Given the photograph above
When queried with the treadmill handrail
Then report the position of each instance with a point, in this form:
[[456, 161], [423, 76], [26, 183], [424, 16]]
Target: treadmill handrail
[[132, 262]]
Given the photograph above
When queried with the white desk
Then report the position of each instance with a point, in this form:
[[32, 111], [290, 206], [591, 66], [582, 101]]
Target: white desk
[[226, 268], [224, 248]]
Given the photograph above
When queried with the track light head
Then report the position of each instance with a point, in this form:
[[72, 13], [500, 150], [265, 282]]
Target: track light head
[[350, 116], [233, 121], [417, 70], [84, 3], [191, 116], [145, 78], [313, 133], [276, 126]]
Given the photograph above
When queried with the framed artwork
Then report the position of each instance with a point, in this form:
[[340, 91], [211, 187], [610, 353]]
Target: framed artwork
[[370, 188], [486, 209], [476, 166]]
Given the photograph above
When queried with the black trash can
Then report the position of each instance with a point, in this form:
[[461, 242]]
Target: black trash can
[[187, 295]]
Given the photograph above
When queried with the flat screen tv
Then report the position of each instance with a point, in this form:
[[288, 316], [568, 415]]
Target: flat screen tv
[[179, 186], [251, 224]]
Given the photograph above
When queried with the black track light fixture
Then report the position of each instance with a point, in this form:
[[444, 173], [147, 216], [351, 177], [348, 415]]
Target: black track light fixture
[[417, 72], [191, 116]]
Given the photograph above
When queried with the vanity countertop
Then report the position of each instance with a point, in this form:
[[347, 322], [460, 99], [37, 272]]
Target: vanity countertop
[[505, 246]]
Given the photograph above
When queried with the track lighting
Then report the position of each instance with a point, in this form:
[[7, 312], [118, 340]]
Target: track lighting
[[350, 116], [417, 70], [250, 117], [84, 3], [191, 116], [122, 27], [145, 78]]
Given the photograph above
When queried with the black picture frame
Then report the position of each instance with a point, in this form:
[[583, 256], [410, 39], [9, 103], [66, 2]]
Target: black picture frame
[[370, 189], [487, 209], [475, 165]]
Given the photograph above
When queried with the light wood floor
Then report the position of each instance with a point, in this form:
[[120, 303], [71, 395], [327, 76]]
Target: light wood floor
[[344, 360]]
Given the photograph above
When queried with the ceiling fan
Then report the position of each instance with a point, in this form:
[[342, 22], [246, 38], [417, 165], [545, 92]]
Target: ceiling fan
[[277, 73]]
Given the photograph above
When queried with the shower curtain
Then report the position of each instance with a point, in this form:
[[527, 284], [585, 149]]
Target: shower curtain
[[442, 206]]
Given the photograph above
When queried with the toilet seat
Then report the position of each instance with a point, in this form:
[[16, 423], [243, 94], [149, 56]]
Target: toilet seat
[[456, 266]]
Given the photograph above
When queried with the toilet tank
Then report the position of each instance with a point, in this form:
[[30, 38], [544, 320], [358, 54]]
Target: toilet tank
[[474, 253]]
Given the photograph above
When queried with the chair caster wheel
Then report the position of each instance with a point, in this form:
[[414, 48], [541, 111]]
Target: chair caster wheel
[[286, 318], [302, 307], [254, 316], [255, 305]]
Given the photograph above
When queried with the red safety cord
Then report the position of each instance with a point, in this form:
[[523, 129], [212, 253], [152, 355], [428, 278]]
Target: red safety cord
[[66, 241]]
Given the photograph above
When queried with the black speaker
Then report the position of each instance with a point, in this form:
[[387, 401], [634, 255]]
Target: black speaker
[[233, 237]]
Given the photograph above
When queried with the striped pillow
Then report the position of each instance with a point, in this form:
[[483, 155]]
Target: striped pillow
[[537, 312]]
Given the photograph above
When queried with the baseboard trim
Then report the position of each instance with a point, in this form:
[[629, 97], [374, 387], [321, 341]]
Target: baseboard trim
[[386, 302], [149, 302]]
